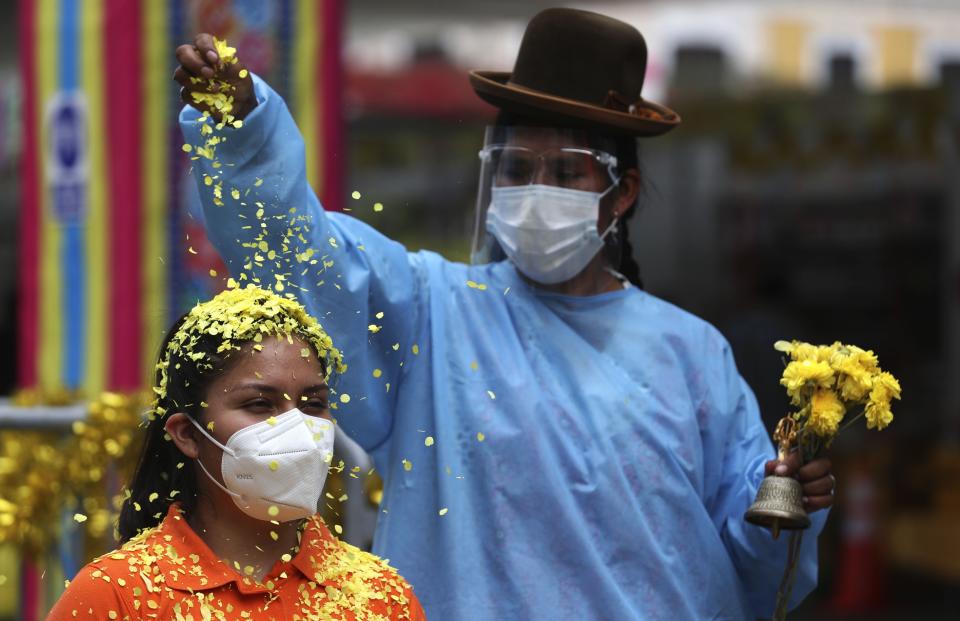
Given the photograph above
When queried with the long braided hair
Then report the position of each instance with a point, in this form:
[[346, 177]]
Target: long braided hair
[[618, 250]]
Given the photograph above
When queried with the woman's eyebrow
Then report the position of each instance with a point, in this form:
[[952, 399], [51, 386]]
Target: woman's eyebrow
[[260, 387], [316, 388]]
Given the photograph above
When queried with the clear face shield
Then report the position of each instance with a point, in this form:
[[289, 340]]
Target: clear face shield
[[517, 156]]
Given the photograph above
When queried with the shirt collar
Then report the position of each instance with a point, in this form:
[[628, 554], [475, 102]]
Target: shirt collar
[[187, 564]]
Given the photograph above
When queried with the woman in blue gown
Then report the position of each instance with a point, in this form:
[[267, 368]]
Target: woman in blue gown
[[555, 442]]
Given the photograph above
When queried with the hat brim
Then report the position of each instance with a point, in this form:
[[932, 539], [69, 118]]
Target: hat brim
[[647, 119]]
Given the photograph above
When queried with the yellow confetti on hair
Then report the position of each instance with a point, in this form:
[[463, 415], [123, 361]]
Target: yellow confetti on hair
[[243, 73], [338, 529], [286, 558], [153, 496]]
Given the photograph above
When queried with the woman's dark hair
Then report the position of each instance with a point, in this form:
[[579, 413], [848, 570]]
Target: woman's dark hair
[[617, 247], [163, 469]]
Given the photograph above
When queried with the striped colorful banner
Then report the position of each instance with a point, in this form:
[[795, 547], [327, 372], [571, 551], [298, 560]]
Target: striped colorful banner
[[108, 209]]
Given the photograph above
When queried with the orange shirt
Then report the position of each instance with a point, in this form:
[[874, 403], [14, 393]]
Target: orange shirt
[[168, 572]]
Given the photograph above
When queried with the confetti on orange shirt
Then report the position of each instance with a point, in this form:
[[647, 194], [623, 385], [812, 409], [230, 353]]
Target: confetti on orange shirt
[[169, 573]]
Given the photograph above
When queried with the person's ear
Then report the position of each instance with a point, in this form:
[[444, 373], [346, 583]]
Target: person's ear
[[627, 191], [183, 434]]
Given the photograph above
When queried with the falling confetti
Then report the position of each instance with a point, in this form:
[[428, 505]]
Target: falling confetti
[[442, 512], [377, 372], [378, 207], [79, 518], [407, 465], [428, 441], [480, 436], [344, 398], [355, 195]]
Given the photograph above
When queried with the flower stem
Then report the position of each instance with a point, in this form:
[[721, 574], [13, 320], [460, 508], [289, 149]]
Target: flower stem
[[789, 576]]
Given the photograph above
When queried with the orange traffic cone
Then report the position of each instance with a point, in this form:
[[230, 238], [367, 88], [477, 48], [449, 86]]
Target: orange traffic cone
[[861, 580]]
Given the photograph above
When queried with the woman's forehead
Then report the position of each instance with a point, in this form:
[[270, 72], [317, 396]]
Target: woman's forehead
[[276, 360], [540, 138]]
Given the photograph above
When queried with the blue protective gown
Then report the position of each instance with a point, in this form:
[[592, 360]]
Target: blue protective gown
[[620, 445]]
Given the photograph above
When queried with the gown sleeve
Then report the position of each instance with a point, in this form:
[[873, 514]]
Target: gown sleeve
[[739, 446], [269, 227]]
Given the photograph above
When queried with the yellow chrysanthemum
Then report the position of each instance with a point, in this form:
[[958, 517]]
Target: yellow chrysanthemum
[[825, 413], [241, 315], [856, 369], [885, 388], [801, 374], [797, 350]]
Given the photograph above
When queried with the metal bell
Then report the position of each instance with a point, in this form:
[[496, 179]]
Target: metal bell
[[779, 505]]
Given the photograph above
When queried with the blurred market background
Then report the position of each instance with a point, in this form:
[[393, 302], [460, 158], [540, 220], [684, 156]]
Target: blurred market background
[[812, 192]]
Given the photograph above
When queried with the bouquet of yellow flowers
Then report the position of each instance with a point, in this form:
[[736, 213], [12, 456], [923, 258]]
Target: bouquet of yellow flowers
[[826, 382]]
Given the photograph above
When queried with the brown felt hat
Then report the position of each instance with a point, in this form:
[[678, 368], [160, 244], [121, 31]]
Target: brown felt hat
[[578, 68]]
